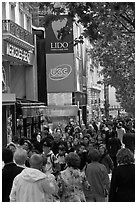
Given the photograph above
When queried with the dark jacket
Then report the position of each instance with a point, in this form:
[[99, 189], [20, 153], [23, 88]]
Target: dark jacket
[[107, 161], [113, 146], [83, 159], [129, 141], [9, 172], [122, 187]]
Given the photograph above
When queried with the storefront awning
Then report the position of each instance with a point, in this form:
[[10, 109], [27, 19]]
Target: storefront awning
[[33, 111]]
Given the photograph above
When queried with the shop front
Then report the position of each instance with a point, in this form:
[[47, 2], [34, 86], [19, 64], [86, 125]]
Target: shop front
[[8, 117], [18, 68], [29, 118], [60, 115]]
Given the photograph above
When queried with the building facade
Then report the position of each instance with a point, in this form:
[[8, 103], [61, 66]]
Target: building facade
[[95, 90], [20, 107], [66, 70]]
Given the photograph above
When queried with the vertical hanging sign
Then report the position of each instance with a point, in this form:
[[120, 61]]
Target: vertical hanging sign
[[60, 55], [59, 35]]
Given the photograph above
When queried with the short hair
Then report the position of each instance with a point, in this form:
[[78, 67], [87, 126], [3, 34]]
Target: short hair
[[20, 156], [125, 156], [94, 155], [36, 160], [15, 139], [104, 147], [29, 144], [62, 147], [7, 155], [47, 142], [73, 160]]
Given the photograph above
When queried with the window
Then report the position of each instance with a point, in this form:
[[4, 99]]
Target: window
[[3, 11], [13, 13], [21, 22], [28, 24]]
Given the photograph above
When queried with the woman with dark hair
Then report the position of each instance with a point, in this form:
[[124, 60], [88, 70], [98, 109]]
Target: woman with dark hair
[[105, 158], [28, 147], [71, 181], [122, 188]]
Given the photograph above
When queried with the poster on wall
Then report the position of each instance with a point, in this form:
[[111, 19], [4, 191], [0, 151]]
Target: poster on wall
[[60, 72]]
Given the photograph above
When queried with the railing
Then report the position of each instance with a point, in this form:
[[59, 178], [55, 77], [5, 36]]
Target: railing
[[9, 26]]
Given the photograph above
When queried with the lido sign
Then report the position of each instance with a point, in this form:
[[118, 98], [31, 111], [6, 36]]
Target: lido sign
[[56, 40], [60, 72]]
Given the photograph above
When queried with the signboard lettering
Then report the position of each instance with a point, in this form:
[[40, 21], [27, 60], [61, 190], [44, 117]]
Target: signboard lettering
[[60, 72], [18, 53], [59, 46], [57, 41]]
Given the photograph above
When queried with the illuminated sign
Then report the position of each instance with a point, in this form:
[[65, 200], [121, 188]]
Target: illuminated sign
[[18, 53]]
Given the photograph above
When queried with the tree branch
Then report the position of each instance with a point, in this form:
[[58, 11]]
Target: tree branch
[[123, 24], [128, 19]]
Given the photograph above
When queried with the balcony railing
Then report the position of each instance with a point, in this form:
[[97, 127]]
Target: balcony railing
[[10, 27]]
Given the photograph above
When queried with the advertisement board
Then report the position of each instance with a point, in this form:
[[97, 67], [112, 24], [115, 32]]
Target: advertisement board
[[59, 35], [60, 72]]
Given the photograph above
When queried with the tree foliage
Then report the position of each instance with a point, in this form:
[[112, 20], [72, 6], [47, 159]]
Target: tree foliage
[[110, 27]]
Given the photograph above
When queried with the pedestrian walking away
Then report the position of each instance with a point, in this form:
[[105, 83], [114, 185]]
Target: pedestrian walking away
[[32, 185]]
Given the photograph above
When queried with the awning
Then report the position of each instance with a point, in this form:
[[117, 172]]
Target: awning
[[61, 111], [33, 111], [8, 99], [30, 108]]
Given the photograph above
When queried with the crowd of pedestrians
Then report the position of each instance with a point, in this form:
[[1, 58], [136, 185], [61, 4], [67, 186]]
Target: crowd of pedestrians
[[93, 163]]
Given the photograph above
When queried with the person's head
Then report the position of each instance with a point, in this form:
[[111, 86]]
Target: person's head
[[94, 155], [86, 139], [47, 146], [125, 156], [71, 121], [70, 139], [73, 160], [57, 137], [119, 125], [36, 161], [76, 141], [7, 155], [62, 149], [102, 149], [21, 141], [15, 139], [90, 127], [81, 148], [45, 129], [77, 129], [11, 146], [20, 156], [27, 145]]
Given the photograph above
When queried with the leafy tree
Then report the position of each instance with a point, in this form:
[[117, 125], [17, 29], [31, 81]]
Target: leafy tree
[[110, 27]]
